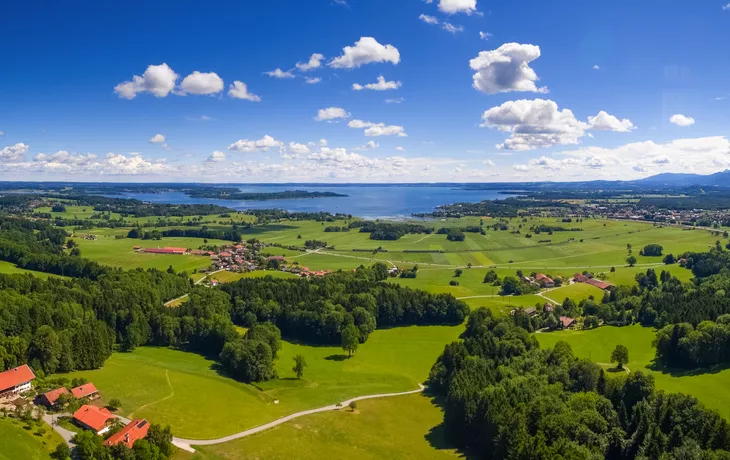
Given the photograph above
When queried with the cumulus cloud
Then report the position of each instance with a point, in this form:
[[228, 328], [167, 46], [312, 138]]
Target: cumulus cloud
[[488, 162], [261, 145], [681, 120], [158, 80], [485, 35], [400, 149], [315, 62], [506, 69], [202, 83], [157, 139], [331, 113], [239, 90], [298, 149], [367, 50], [380, 85], [448, 27], [605, 122], [456, 6], [539, 123], [89, 164], [13, 153], [312, 81], [377, 129], [216, 157], [281, 74], [369, 146], [444, 25], [596, 67]]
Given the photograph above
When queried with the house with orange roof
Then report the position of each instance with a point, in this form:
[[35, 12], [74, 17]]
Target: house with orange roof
[[51, 398], [98, 420], [16, 380], [87, 390], [133, 432]]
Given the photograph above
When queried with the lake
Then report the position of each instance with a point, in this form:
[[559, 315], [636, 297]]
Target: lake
[[367, 201]]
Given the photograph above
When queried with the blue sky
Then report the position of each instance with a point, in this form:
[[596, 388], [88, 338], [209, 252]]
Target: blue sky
[[472, 91]]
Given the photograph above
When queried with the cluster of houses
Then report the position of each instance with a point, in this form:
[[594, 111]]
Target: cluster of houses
[[565, 321], [539, 279], [99, 420]]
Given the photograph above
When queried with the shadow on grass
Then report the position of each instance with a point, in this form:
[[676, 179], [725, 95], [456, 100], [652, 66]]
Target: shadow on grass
[[259, 229], [682, 372], [436, 436], [336, 357]]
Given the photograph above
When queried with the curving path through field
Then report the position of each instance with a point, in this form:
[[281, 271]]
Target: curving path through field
[[186, 444]]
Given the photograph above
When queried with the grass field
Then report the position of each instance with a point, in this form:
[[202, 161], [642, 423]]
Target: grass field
[[8, 268], [229, 277], [597, 345], [184, 390], [404, 427], [18, 443]]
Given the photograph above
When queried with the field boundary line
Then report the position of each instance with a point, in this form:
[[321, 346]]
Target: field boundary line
[[172, 390], [186, 444]]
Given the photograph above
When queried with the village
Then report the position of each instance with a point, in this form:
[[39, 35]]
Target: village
[[17, 395]]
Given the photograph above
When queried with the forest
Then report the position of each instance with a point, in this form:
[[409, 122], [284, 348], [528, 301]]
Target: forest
[[237, 194]]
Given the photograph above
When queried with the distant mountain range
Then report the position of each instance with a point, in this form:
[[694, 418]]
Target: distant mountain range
[[685, 180]]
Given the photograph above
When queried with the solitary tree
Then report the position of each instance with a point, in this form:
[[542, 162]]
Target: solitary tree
[[458, 272], [115, 404], [620, 356], [631, 260], [629, 248], [62, 452], [353, 406], [350, 339], [299, 364]]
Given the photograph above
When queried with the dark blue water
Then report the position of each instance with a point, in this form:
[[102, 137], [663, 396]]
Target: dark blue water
[[370, 202]]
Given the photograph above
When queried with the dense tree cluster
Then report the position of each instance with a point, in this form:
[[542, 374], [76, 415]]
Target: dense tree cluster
[[682, 345], [157, 445], [317, 310], [652, 250], [389, 230], [507, 398], [236, 194]]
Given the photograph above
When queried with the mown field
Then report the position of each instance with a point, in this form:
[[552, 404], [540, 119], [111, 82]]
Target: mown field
[[186, 391], [403, 427], [8, 268], [597, 345], [17, 442]]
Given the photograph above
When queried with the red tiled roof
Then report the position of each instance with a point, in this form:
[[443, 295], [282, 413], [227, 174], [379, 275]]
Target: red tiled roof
[[84, 390], [163, 251], [93, 417], [566, 321], [599, 284], [176, 249], [134, 431], [16, 376], [53, 395], [225, 254], [579, 277], [276, 258]]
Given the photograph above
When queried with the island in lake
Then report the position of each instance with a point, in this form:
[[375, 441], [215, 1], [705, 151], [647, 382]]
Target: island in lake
[[236, 194]]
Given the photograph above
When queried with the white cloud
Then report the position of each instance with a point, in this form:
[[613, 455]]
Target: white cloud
[[331, 113], [216, 157], [200, 118], [428, 19], [239, 90], [596, 67], [157, 139], [299, 149], [681, 120], [323, 142], [381, 85], [202, 83], [538, 123], [281, 74], [261, 145], [605, 122], [13, 153], [521, 168], [312, 81], [485, 35], [377, 129], [367, 50], [369, 146], [397, 100], [726, 7], [400, 149], [158, 80], [448, 27], [2, 133], [456, 6], [315, 62], [488, 162], [506, 69]]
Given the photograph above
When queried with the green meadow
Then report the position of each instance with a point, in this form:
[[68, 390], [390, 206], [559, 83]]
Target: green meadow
[[597, 345], [19, 440], [403, 427], [186, 391], [7, 268]]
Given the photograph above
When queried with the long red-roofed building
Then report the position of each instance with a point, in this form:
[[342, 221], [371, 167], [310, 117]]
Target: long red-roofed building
[[95, 419], [133, 432], [599, 284], [16, 380]]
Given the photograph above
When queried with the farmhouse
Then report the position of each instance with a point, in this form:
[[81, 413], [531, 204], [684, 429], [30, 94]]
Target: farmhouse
[[277, 258], [51, 398], [133, 432], [599, 284], [87, 390], [580, 278], [95, 419], [15, 381], [544, 281], [165, 250], [566, 321], [548, 307]]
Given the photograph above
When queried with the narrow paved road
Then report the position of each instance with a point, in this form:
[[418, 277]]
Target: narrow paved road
[[186, 444], [65, 434]]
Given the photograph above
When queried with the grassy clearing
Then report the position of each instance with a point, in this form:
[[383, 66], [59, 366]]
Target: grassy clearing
[[17, 442], [184, 390], [229, 277], [8, 268], [575, 292], [404, 427], [597, 345]]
